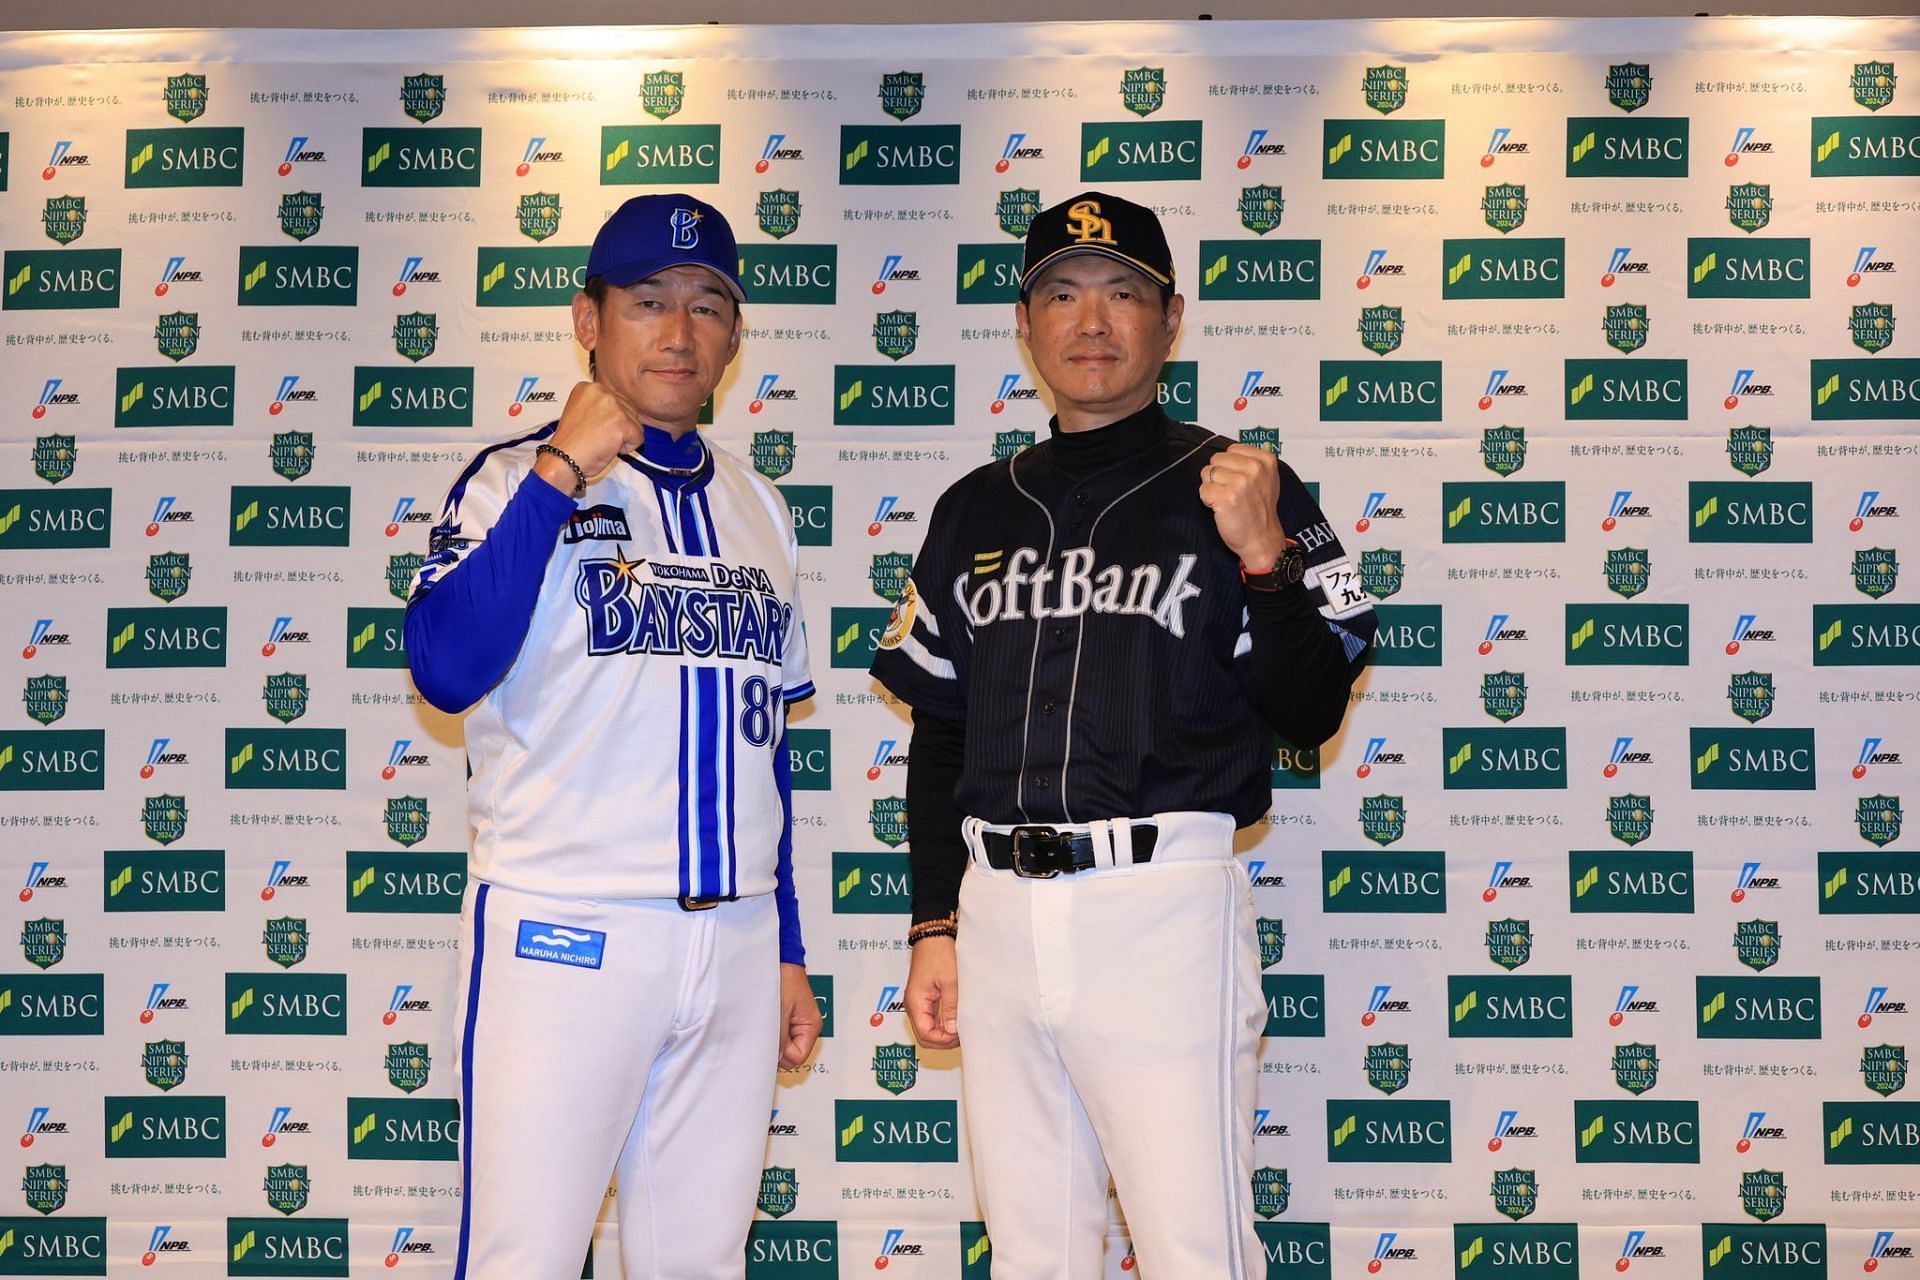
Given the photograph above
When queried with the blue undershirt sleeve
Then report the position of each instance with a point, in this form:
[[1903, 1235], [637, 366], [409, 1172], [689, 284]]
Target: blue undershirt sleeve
[[788, 904], [465, 627]]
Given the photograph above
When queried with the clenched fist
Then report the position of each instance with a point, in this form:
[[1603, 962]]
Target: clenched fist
[[1241, 486], [596, 425]]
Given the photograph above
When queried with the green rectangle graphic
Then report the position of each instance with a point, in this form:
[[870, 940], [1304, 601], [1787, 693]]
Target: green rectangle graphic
[[60, 279], [987, 272], [1274, 270], [1884, 882], [1763, 267], [907, 155], [1751, 759], [57, 1246], [286, 759], [420, 157], [412, 396], [1866, 635], [1744, 1007], [1627, 146], [277, 516], [1848, 390], [1492, 267], [1376, 1131], [791, 274], [174, 396], [1866, 146], [1140, 151], [203, 156], [55, 519], [1626, 389], [519, 276], [1387, 149], [1380, 390], [53, 760]]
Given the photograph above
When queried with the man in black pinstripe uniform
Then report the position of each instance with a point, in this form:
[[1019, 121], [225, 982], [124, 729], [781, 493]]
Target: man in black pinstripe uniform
[[1100, 639]]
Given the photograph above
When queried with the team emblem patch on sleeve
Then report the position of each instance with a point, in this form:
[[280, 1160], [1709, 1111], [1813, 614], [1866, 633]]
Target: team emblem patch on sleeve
[[557, 944], [900, 622]]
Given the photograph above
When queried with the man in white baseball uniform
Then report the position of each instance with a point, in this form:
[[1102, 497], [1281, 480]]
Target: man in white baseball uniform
[[617, 602]]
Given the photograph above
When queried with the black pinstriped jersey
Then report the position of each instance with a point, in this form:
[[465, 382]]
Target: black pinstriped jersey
[[1082, 618]]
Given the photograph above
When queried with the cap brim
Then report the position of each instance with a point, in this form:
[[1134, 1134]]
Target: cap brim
[[623, 274], [1150, 273]]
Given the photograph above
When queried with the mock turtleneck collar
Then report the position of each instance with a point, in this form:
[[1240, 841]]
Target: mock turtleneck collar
[[661, 447], [1084, 451]]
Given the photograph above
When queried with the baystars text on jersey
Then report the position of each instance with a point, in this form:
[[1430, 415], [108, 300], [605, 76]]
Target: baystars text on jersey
[[703, 610]]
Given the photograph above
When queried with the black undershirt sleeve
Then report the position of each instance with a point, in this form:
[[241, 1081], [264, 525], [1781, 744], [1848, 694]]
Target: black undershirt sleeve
[[1298, 671], [937, 854]]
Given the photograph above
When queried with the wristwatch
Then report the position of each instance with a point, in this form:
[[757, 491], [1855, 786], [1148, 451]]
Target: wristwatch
[[1287, 571]]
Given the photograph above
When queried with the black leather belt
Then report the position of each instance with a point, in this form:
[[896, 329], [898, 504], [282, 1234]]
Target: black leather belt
[[1041, 853], [704, 904]]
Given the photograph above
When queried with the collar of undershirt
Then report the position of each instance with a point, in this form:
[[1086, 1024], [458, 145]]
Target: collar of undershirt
[[1081, 452], [685, 461]]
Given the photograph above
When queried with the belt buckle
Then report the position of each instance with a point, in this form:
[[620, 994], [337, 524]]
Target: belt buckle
[[1041, 838], [699, 904]]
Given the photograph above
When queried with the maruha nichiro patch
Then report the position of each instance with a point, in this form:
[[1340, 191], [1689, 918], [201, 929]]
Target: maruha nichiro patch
[[557, 944]]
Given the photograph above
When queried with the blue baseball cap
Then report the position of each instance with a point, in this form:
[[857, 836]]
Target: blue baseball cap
[[648, 234]]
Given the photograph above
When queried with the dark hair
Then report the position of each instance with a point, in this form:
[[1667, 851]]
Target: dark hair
[[596, 289]]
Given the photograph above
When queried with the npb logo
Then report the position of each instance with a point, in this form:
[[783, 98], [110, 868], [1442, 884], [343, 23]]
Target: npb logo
[[400, 757], [157, 755], [1744, 630], [163, 513], [886, 513], [404, 1245], [174, 272], [1871, 754], [1864, 265], [280, 633], [403, 1002], [404, 514], [1257, 145], [1750, 878], [894, 1246], [279, 1123], [1623, 507], [297, 153], [1010, 389], [1744, 385], [889, 1002], [1636, 1248], [37, 1124], [1505, 1127], [884, 756], [775, 150], [50, 394], [159, 1242], [1377, 265], [890, 271], [1870, 508], [158, 1000], [1016, 149], [37, 878], [1743, 145], [1499, 145], [1497, 629], [41, 633], [1375, 509], [277, 877], [536, 153], [1384, 1251], [1374, 755], [1250, 387], [1629, 1003], [410, 273], [1622, 263], [527, 395], [1378, 1004], [1503, 878], [1496, 386], [1623, 753], [1883, 1247], [289, 393], [1877, 1002], [1757, 1130], [770, 390]]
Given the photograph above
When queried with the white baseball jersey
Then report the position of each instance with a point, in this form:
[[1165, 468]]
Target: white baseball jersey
[[629, 752]]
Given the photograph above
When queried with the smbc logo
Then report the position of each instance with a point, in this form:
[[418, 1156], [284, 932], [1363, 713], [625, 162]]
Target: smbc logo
[[403, 1129], [1757, 1008], [1368, 1131], [287, 1247], [286, 759], [61, 1246], [1512, 1005], [1879, 883], [1752, 759], [171, 1126], [894, 1132], [1517, 1250], [286, 1004], [1636, 1131], [1866, 635], [1637, 882], [1846, 389], [1775, 267], [1493, 268], [1773, 1251], [409, 883]]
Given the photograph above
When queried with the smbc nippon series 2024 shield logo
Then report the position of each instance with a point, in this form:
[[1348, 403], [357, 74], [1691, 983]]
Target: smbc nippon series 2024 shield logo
[[662, 93], [1503, 449], [1763, 1193], [1014, 210], [1629, 85], [1628, 570], [53, 457], [1749, 205], [1385, 88], [46, 698], [1503, 694], [1750, 449], [186, 97], [1381, 329], [1143, 90], [416, 334], [888, 818], [1876, 570], [402, 569], [902, 94], [1271, 1192], [1636, 1067], [1878, 819], [290, 454], [1630, 818], [177, 334], [44, 942], [1273, 941], [286, 940], [539, 214], [779, 1192], [287, 1187], [164, 818], [286, 696], [1873, 84], [1504, 204], [1883, 1068], [1872, 326], [1383, 818], [1756, 943], [896, 333], [1389, 1066], [1261, 208], [45, 1186], [64, 218], [896, 1067], [423, 96], [301, 213], [778, 212], [407, 819], [169, 574], [771, 453], [888, 575], [1509, 942], [1625, 325], [1750, 694], [408, 1065], [165, 1063], [1516, 1192], [1381, 572]]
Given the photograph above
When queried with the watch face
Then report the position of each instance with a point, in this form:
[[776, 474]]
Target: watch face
[[1292, 567]]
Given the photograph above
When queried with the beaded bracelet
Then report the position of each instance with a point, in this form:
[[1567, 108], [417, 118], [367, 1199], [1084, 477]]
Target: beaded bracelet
[[579, 476], [943, 927]]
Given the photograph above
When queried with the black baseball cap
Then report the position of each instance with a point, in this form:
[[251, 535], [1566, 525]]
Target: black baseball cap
[[1095, 222], [648, 234]]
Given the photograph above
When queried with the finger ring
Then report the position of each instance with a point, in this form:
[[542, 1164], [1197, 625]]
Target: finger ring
[[1210, 470]]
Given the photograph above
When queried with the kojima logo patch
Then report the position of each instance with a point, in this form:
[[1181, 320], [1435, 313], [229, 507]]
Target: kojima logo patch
[[556, 944]]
